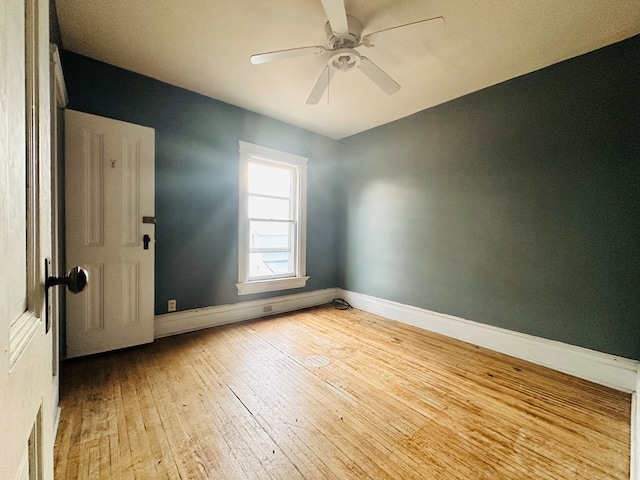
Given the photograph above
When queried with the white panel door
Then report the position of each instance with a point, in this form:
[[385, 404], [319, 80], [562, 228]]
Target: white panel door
[[109, 188], [26, 386]]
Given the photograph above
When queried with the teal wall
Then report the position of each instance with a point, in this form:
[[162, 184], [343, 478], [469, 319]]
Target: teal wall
[[54, 27], [517, 206], [197, 180]]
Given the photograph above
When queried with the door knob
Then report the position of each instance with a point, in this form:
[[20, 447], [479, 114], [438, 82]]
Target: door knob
[[75, 280]]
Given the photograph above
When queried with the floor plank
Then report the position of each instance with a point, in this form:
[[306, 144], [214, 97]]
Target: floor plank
[[328, 394]]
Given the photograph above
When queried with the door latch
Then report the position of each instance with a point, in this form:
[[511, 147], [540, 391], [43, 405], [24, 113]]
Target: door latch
[[75, 280]]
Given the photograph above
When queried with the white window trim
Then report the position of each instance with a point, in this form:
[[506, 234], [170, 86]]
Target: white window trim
[[249, 151]]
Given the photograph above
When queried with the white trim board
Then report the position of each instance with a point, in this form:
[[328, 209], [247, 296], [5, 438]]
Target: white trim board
[[190, 320], [602, 368]]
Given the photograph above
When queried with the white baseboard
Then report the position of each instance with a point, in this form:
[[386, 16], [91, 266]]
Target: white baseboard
[[609, 370], [190, 320], [602, 368]]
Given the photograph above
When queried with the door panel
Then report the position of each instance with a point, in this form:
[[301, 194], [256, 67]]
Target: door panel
[[26, 386], [109, 188]]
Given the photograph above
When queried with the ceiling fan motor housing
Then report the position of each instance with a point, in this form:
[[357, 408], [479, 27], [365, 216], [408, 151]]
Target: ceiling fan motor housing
[[349, 40]]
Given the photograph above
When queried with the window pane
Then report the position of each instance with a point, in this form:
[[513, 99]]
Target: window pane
[[270, 263], [271, 235], [269, 180], [269, 208], [271, 252]]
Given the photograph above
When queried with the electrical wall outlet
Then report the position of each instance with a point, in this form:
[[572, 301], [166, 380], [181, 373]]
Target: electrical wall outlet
[[267, 308], [171, 306]]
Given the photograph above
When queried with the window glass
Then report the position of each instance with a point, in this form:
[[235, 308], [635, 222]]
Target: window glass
[[269, 208], [270, 180]]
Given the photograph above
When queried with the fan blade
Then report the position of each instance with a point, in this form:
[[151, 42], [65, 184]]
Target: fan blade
[[337, 16], [282, 54], [320, 86], [366, 40], [387, 84]]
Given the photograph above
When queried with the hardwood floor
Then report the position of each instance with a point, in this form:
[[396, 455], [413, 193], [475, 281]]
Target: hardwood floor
[[328, 394]]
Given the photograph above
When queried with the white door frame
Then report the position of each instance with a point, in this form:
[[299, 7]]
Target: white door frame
[[59, 100]]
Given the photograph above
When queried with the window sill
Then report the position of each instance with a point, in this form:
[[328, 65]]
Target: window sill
[[247, 288]]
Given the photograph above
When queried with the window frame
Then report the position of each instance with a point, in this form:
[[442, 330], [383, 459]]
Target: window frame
[[249, 152]]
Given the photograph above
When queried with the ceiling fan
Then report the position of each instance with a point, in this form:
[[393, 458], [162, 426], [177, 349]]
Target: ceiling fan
[[343, 38]]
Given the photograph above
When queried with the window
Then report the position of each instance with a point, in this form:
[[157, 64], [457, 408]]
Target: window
[[272, 223]]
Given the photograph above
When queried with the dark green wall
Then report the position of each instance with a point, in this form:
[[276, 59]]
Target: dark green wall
[[197, 180], [517, 206], [54, 27]]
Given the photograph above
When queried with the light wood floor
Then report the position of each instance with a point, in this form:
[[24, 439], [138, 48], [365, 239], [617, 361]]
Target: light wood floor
[[327, 394]]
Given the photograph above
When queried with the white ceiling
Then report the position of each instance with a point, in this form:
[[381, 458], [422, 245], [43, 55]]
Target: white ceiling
[[205, 45]]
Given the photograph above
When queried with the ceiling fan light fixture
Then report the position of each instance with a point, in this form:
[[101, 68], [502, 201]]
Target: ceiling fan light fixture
[[344, 59]]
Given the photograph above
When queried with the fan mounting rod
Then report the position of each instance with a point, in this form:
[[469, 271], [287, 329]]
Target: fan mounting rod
[[351, 39]]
